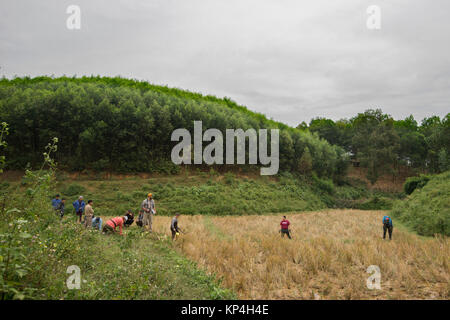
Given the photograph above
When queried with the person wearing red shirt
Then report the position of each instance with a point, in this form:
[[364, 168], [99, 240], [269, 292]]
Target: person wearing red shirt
[[113, 223], [285, 227]]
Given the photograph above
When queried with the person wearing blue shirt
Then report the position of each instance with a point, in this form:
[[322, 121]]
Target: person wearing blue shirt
[[79, 207], [97, 223], [387, 226], [56, 202], [60, 208]]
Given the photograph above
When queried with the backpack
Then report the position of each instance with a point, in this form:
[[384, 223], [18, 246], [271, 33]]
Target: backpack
[[387, 222]]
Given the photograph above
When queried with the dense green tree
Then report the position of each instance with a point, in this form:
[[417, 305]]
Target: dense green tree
[[383, 144], [125, 125]]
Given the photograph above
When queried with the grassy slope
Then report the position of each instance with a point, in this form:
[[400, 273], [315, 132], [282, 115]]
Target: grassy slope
[[198, 194], [135, 266], [229, 194], [427, 210], [216, 194]]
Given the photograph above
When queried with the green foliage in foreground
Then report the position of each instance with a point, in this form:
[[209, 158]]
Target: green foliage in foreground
[[135, 266], [36, 248], [427, 210]]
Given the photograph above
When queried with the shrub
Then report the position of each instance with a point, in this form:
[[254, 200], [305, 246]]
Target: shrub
[[427, 209], [229, 178], [375, 203], [412, 183], [74, 189], [323, 184]]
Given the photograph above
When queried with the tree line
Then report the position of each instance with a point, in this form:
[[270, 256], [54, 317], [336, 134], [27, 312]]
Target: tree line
[[123, 125], [383, 145]]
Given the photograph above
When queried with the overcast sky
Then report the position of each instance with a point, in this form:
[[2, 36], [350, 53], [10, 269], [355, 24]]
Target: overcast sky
[[289, 59]]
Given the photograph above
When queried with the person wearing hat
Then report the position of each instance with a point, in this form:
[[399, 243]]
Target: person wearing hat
[[112, 224], [148, 206], [387, 226], [79, 207]]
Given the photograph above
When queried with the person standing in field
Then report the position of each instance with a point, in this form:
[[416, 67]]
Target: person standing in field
[[387, 226], [55, 202], [61, 207], [88, 214], [148, 206], [79, 207], [112, 224], [285, 227], [174, 226]]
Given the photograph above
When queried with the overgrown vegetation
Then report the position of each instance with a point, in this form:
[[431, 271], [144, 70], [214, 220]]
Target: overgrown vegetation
[[36, 248], [216, 194], [427, 209]]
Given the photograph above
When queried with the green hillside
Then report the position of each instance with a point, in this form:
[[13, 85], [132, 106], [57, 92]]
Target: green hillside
[[120, 125], [427, 209]]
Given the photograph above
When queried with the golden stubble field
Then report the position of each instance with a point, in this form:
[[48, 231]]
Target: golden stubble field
[[327, 258]]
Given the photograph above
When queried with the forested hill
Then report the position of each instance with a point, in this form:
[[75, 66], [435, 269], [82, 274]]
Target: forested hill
[[125, 125]]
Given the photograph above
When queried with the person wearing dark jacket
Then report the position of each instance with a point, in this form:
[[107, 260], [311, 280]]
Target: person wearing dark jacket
[[61, 207], [79, 205], [174, 226], [140, 219], [130, 219], [56, 202]]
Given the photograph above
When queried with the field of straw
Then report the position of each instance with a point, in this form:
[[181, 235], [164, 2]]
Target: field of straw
[[327, 258]]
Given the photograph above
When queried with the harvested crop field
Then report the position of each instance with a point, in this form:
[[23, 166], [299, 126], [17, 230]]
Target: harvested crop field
[[327, 258]]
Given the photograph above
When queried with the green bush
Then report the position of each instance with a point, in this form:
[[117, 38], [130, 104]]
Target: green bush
[[412, 183], [323, 184], [427, 209], [74, 189], [375, 203], [229, 178]]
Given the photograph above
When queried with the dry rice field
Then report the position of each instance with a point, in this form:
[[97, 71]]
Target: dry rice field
[[327, 258]]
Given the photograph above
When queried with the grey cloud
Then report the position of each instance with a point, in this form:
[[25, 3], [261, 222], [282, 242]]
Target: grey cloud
[[291, 60]]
